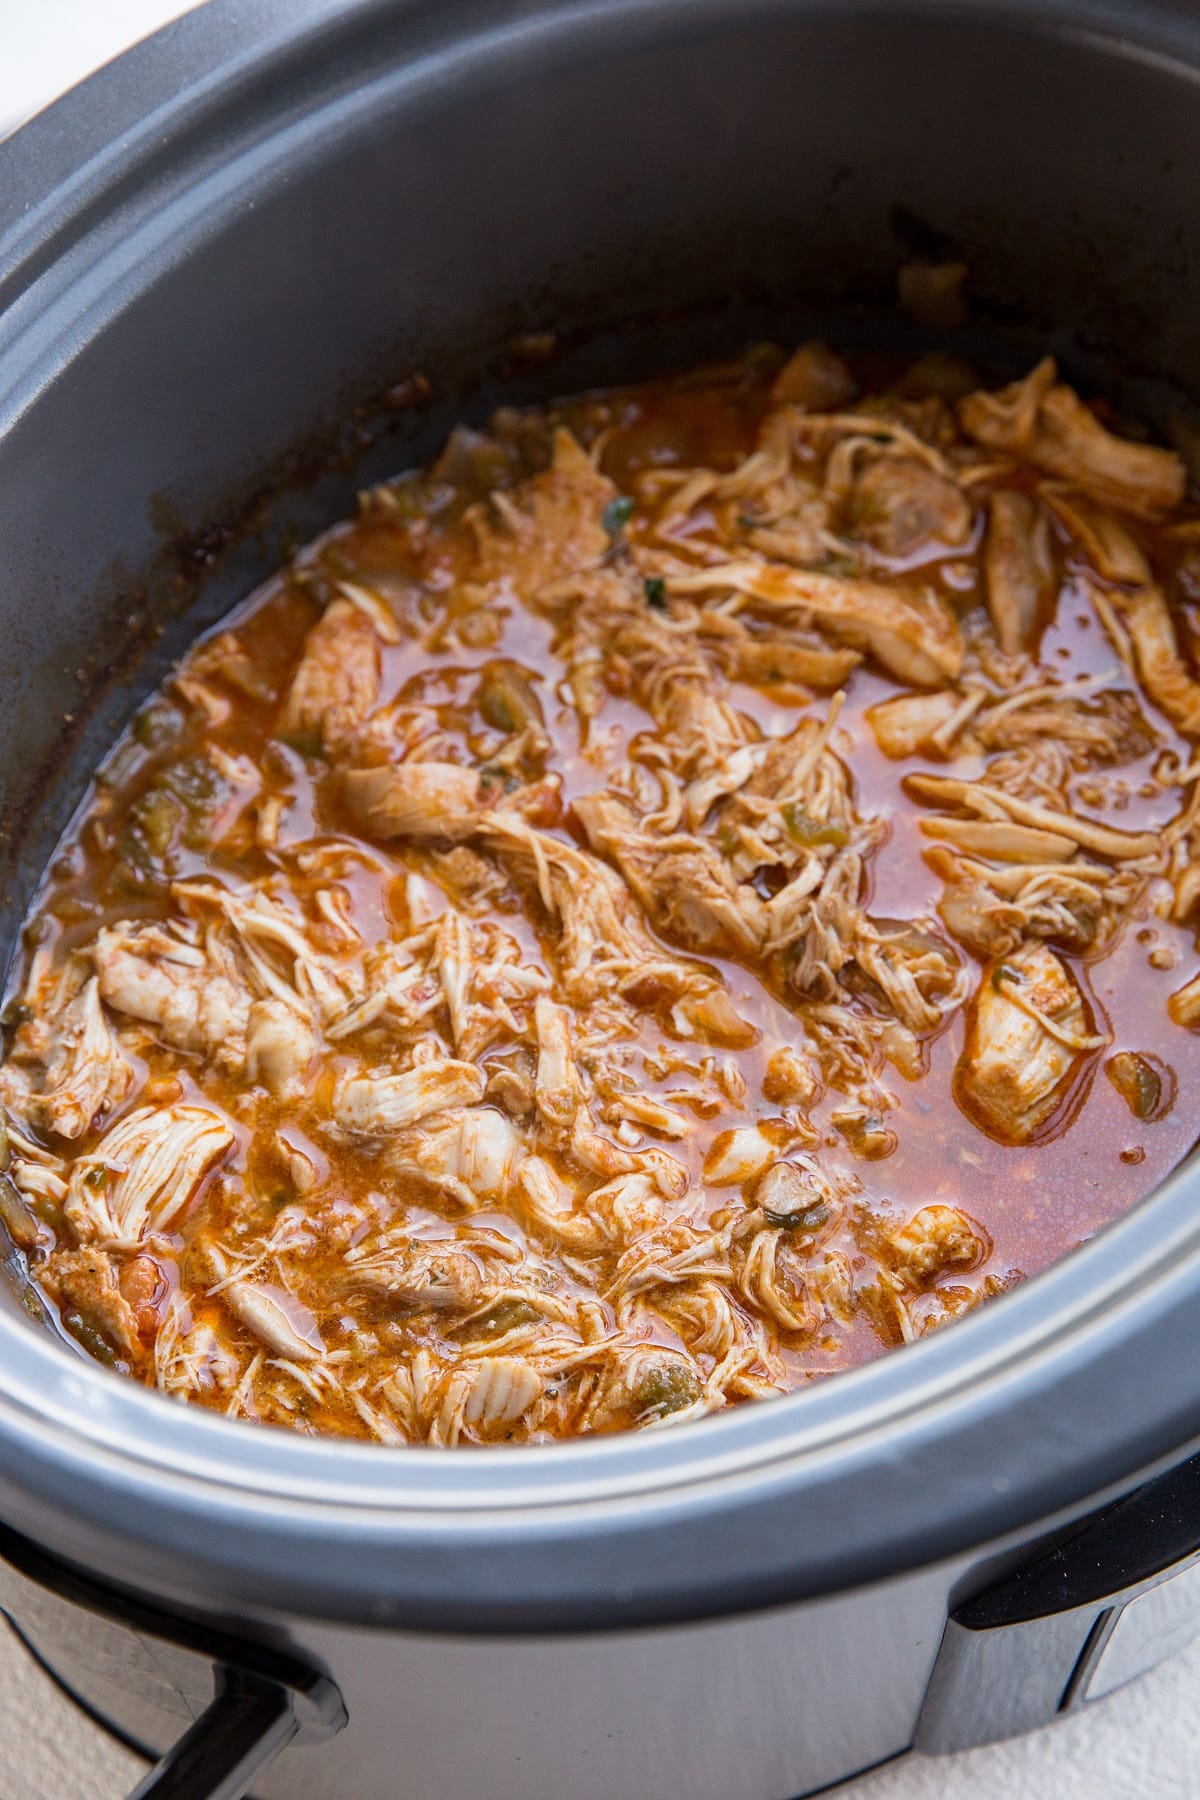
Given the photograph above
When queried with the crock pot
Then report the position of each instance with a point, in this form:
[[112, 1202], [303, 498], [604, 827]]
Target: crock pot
[[249, 228]]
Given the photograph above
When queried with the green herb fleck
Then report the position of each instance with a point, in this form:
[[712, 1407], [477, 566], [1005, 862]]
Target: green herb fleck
[[92, 1340], [666, 1390], [803, 829], [617, 514], [201, 790], [507, 1315], [656, 592]]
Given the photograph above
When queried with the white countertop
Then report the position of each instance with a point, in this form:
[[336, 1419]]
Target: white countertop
[[1141, 1744]]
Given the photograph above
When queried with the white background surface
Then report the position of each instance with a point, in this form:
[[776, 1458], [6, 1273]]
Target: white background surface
[[1142, 1744]]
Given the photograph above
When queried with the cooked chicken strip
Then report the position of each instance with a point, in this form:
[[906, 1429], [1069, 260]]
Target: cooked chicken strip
[[1018, 568], [1105, 540], [276, 1318], [914, 635], [1005, 842], [983, 798], [1147, 618], [1044, 421], [771, 662]]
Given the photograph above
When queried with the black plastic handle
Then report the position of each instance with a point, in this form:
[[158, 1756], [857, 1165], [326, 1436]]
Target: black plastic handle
[[248, 1723], [1026, 1648], [240, 1701]]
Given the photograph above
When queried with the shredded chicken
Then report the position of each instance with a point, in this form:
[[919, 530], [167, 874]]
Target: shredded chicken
[[336, 684], [1018, 568], [143, 1174], [1029, 1034], [1044, 422], [598, 941]]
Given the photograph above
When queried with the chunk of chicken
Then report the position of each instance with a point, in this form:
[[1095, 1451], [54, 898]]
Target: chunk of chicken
[[682, 883], [1106, 540], [795, 1196], [909, 723], [143, 1173], [279, 1047], [377, 1105], [915, 636], [600, 944], [426, 802], [85, 1073], [789, 1079], [742, 1153], [194, 1362], [337, 681], [1045, 422], [146, 974], [1018, 569], [906, 967], [1184, 1005], [699, 728], [1090, 732], [558, 1089], [618, 1212], [276, 1318], [472, 1154], [990, 908], [775, 664], [1000, 839], [988, 800], [899, 505], [426, 1277], [1028, 1036], [550, 526], [939, 1239], [771, 1277], [814, 378], [503, 1388], [484, 1398], [84, 1281]]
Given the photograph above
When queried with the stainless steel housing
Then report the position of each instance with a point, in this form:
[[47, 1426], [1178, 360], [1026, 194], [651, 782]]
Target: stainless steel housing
[[245, 229]]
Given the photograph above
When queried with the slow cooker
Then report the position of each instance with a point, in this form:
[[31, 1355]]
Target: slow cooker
[[270, 217]]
